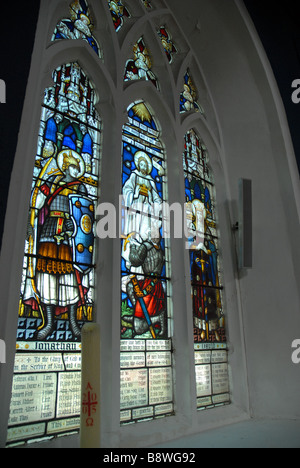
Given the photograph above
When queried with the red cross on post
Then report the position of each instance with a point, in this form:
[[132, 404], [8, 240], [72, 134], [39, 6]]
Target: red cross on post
[[90, 424], [89, 405]]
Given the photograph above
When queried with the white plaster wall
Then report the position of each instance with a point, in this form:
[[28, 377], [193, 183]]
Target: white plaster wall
[[256, 145]]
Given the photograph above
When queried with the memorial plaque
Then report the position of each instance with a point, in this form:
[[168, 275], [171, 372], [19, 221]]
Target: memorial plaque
[[30, 362], [160, 385], [142, 412], [159, 359], [219, 356], [63, 425], [220, 378], [204, 402], [69, 394], [72, 361], [164, 409], [132, 345], [26, 432], [125, 415], [33, 398], [160, 345], [129, 360], [202, 357], [220, 399], [203, 380], [134, 388]]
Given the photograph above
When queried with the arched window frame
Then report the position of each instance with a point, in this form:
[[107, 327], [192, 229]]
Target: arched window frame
[[112, 105]]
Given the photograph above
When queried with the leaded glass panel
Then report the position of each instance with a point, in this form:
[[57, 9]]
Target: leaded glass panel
[[210, 342], [58, 283], [139, 68], [189, 96], [167, 43], [78, 26], [146, 313], [119, 13]]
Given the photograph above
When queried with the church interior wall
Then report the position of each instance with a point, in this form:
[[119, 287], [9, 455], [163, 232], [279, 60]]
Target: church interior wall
[[248, 137]]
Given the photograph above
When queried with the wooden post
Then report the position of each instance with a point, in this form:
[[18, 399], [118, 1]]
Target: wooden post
[[90, 434]]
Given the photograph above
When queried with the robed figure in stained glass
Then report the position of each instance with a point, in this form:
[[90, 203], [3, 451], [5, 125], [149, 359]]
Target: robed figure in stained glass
[[141, 196], [144, 306], [142, 250]]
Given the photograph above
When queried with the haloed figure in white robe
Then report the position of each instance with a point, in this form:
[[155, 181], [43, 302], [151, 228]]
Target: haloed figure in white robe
[[141, 198]]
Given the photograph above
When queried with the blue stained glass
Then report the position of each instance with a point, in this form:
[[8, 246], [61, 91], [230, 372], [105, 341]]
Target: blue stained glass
[[87, 144], [57, 290], [51, 130]]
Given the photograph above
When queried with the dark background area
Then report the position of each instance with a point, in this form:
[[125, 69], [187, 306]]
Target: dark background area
[[278, 24], [16, 45]]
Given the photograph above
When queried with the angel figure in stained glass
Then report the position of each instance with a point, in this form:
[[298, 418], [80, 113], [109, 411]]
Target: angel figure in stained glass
[[141, 197], [167, 43], [188, 96], [140, 67], [80, 25], [118, 12]]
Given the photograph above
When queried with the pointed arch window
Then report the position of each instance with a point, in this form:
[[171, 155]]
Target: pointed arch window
[[58, 285], [210, 343], [146, 312]]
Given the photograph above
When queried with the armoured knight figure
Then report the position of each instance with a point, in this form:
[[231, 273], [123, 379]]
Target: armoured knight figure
[[147, 293], [58, 286]]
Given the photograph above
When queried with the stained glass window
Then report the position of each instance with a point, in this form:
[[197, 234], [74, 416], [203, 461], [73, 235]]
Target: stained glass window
[[118, 12], [146, 315], [79, 26], [188, 98], [210, 342], [139, 68], [58, 284], [167, 43]]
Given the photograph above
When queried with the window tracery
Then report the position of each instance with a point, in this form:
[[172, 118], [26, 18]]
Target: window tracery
[[210, 343]]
